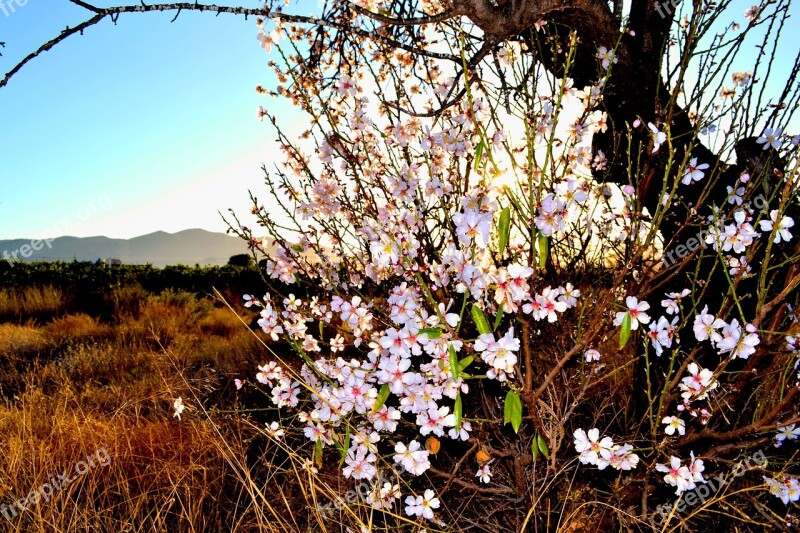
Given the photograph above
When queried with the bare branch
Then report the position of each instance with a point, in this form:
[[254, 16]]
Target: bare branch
[[418, 21], [50, 44], [114, 12]]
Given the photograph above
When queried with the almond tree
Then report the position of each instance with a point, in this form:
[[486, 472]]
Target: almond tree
[[488, 227]]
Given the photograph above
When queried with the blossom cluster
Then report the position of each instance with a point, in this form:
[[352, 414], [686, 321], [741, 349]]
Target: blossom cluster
[[602, 452], [726, 337], [786, 488], [682, 477]]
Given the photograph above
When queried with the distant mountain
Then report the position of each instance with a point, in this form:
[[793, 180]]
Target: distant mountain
[[189, 247]]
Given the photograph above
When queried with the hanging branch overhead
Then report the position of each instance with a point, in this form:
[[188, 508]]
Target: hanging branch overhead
[[101, 13]]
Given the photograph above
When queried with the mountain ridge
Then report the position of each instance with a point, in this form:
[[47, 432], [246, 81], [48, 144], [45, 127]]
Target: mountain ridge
[[160, 248]]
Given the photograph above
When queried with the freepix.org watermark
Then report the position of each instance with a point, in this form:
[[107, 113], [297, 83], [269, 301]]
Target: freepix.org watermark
[[9, 7], [704, 491], [701, 239], [55, 483], [663, 8], [100, 204]]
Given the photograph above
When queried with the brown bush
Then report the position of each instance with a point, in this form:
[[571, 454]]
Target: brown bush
[[32, 301], [76, 327]]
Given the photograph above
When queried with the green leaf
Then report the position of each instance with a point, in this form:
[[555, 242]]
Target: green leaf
[[504, 229], [534, 449], [498, 318], [454, 362], [542, 445], [318, 453], [544, 249], [383, 395], [513, 410], [431, 333], [464, 363], [343, 448], [458, 411], [479, 155], [625, 334], [480, 320]]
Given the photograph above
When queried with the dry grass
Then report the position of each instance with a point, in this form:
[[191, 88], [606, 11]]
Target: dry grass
[[162, 319], [31, 301], [77, 328], [21, 347], [220, 322], [162, 474], [20, 340], [75, 385]]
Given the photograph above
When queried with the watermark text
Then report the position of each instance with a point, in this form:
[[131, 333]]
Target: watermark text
[[55, 483]]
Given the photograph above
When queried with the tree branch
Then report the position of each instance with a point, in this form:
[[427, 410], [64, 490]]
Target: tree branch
[[417, 21], [113, 12], [50, 44]]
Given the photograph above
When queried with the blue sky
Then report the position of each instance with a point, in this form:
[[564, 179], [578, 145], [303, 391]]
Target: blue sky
[[151, 123], [143, 126]]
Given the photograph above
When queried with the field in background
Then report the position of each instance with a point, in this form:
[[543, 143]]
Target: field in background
[[92, 358]]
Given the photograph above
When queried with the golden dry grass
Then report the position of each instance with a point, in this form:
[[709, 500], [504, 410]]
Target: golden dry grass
[[16, 340], [74, 385], [78, 327], [31, 301]]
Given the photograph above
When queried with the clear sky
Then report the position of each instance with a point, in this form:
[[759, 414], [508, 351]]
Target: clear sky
[[146, 126], [152, 123]]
